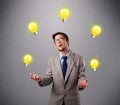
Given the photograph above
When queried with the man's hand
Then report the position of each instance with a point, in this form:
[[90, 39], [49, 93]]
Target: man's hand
[[35, 77], [83, 84]]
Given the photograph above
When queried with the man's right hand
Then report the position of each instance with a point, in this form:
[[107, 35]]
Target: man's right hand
[[35, 77]]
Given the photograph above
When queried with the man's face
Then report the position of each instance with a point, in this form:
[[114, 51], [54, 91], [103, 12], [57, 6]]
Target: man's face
[[61, 43]]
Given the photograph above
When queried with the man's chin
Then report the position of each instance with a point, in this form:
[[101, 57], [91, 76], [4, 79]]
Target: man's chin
[[61, 49]]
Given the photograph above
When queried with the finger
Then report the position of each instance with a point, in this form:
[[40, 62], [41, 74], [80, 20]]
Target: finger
[[31, 75], [81, 84], [35, 76], [86, 82]]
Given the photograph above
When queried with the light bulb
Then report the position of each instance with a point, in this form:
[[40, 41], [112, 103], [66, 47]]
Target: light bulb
[[33, 27], [27, 59], [96, 30], [64, 14], [94, 64]]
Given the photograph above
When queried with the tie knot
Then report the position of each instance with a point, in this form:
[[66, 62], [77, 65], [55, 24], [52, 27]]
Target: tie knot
[[64, 58]]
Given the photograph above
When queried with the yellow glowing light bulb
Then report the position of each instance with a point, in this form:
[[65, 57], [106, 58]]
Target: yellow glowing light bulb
[[96, 31], [64, 14], [27, 59], [33, 27], [94, 64]]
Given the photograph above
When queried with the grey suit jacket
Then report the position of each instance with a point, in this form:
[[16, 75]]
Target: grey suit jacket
[[64, 89]]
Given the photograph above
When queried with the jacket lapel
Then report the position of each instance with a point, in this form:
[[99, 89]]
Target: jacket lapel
[[58, 66], [70, 63]]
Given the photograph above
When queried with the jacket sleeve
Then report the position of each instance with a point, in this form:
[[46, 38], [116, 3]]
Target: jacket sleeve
[[82, 71]]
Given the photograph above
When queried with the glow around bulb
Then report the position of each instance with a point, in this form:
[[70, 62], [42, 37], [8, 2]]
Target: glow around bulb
[[94, 63], [27, 59], [64, 14], [33, 27], [96, 30]]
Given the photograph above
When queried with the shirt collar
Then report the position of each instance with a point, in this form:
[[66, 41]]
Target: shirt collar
[[68, 54]]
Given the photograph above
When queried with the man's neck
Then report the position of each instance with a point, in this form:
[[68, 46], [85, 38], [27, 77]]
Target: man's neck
[[63, 53]]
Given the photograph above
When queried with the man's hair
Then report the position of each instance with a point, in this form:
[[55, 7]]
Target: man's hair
[[61, 33]]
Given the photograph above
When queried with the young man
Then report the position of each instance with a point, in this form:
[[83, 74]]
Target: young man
[[66, 72]]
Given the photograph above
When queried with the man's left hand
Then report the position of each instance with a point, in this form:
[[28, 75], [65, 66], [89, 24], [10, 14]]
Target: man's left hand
[[83, 84]]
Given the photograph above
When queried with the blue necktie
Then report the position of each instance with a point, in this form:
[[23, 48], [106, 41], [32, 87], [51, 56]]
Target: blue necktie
[[64, 65]]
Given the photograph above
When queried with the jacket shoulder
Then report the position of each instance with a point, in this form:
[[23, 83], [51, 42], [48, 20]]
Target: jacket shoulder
[[76, 55], [53, 57]]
